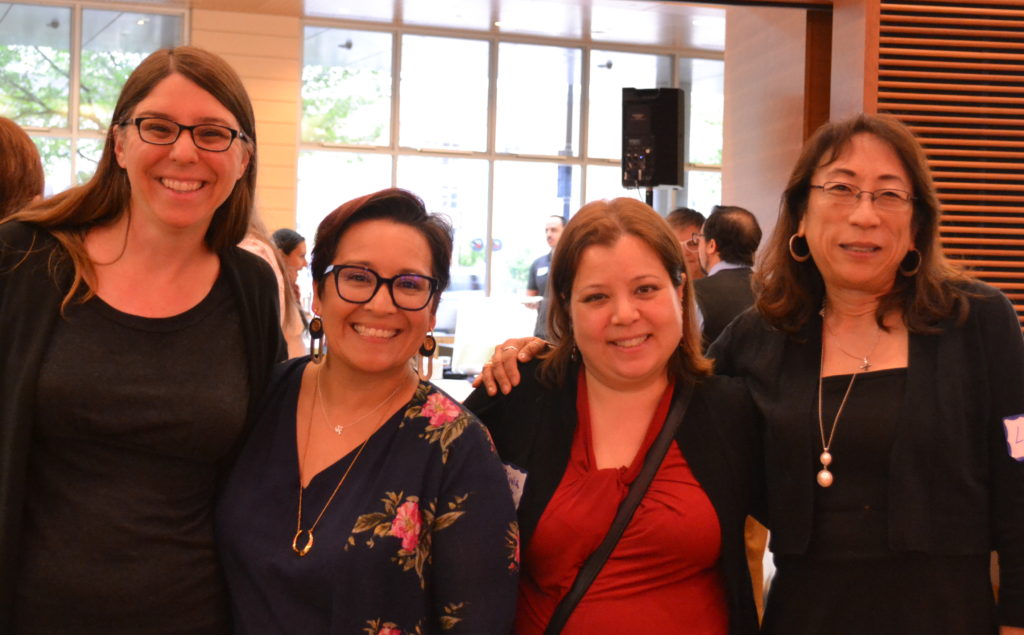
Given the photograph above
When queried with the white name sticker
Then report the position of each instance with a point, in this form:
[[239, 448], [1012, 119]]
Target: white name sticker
[[516, 481], [1015, 436], [542, 271]]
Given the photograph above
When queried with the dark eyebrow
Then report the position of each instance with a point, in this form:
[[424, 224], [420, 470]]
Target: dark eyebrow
[[156, 113]]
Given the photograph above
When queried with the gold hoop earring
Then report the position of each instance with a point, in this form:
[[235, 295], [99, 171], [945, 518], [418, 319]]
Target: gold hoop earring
[[910, 271], [799, 257]]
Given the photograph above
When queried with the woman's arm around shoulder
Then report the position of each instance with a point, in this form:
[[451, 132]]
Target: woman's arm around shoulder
[[473, 527]]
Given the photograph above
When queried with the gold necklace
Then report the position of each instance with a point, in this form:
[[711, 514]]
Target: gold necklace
[[299, 531], [825, 477]]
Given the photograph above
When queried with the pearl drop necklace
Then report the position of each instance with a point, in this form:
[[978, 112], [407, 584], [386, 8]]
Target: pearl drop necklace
[[825, 477]]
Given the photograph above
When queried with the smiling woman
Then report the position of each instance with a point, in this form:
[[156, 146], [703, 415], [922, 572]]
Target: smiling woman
[[578, 430], [366, 499], [136, 339]]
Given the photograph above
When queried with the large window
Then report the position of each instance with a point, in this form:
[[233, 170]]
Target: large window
[[61, 70], [498, 135]]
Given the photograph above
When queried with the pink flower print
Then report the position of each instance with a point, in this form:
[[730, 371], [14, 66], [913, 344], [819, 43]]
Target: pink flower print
[[440, 409], [406, 525]]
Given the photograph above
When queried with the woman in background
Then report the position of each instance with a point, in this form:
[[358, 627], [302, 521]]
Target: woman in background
[[21, 172], [293, 325], [367, 500], [576, 432], [135, 337]]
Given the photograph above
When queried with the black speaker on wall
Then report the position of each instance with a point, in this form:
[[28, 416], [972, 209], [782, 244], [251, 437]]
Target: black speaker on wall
[[652, 137]]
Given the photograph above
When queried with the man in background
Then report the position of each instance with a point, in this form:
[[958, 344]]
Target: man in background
[[727, 244], [686, 223], [537, 283]]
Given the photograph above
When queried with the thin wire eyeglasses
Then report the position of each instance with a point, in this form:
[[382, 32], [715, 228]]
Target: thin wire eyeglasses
[[358, 285], [846, 194], [694, 241], [164, 132]]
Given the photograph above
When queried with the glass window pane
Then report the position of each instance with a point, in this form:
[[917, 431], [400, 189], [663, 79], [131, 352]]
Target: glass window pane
[[328, 179], [538, 99], [444, 93], [346, 86], [55, 153], [703, 190], [87, 157], [456, 188], [605, 181], [35, 64], [610, 72], [113, 44], [703, 80], [520, 212]]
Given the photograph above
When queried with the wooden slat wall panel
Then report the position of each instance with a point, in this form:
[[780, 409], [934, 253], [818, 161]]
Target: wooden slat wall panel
[[954, 73]]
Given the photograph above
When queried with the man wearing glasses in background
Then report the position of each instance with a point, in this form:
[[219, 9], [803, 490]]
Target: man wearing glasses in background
[[686, 222]]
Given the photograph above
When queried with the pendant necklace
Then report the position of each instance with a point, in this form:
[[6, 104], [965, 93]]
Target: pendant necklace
[[338, 428], [825, 477], [299, 531]]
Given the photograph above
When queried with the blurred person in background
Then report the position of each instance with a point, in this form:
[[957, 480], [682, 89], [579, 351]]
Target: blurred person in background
[[21, 172]]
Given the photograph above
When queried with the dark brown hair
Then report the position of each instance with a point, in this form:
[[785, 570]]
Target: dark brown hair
[[791, 292], [70, 214], [395, 205], [604, 223], [21, 171]]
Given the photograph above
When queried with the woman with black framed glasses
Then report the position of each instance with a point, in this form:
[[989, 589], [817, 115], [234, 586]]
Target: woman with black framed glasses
[[366, 499], [135, 337]]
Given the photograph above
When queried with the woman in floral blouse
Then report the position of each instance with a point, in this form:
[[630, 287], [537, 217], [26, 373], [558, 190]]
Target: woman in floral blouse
[[367, 500]]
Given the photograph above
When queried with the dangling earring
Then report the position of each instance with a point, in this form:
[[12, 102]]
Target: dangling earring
[[427, 350], [909, 271], [316, 339], [799, 257]]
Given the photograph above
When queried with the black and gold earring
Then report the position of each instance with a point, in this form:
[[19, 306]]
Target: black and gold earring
[[427, 350], [316, 340]]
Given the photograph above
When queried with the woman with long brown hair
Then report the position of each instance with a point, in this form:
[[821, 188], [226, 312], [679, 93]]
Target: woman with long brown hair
[[136, 337]]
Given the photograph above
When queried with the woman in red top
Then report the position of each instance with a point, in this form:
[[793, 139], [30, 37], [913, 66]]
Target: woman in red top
[[575, 432]]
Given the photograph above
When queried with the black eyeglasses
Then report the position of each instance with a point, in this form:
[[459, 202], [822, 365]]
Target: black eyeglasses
[[849, 195], [164, 132], [358, 285]]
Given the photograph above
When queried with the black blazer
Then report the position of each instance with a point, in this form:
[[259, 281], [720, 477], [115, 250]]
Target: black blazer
[[721, 297], [533, 429], [954, 488]]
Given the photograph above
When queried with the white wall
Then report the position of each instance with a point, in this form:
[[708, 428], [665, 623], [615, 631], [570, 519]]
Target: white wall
[[764, 106]]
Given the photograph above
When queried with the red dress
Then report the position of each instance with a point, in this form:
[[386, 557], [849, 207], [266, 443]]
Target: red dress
[[662, 575]]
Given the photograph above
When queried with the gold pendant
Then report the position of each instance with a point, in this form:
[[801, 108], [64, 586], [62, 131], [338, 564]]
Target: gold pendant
[[309, 543]]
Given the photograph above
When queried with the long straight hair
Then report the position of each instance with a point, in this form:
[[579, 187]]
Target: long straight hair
[[68, 216]]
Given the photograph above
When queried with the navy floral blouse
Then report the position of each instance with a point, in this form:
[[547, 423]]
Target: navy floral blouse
[[421, 537]]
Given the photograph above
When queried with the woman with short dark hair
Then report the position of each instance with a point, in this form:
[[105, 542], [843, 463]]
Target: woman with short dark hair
[[366, 498]]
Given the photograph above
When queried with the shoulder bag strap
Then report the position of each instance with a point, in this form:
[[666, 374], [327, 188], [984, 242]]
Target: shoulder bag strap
[[593, 564]]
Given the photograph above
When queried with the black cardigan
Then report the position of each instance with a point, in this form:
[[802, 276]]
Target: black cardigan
[[533, 430], [953, 487], [30, 299]]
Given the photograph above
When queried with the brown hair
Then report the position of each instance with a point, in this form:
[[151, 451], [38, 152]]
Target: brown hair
[[395, 205], [101, 201], [604, 223], [791, 292], [21, 171]]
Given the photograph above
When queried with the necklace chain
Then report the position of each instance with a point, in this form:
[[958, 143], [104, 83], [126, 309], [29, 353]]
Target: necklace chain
[[825, 477], [299, 531], [338, 428]]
